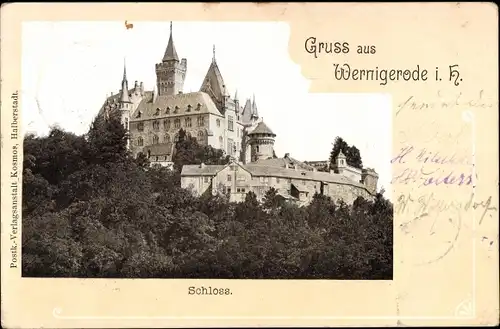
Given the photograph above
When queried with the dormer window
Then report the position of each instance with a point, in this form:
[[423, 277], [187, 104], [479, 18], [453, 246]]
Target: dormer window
[[189, 108], [140, 126], [157, 111], [198, 107], [139, 114], [303, 173], [176, 109], [168, 110]]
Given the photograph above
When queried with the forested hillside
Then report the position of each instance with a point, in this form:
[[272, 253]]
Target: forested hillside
[[91, 210]]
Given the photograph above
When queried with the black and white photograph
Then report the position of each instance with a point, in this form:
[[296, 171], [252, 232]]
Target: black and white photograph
[[194, 150]]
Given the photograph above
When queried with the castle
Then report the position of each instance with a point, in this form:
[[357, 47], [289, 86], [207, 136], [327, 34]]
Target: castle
[[153, 120], [294, 180]]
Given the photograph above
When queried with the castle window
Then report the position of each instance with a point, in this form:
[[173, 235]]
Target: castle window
[[198, 107], [156, 125], [140, 141], [257, 148], [177, 123], [155, 139], [166, 124], [176, 109], [205, 179], [228, 190], [139, 114], [140, 126], [218, 122], [168, 110], [201, 121], [188, 122], [230, 123], [303, 182], [189, 108], [157, 111], [228, 178], [176, 138], [167, 138]]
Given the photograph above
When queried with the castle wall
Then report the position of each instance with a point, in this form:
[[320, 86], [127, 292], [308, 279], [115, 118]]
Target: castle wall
[[196, 184], [352, 173]]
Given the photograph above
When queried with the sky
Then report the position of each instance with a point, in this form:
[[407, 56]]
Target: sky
[[68, 68]]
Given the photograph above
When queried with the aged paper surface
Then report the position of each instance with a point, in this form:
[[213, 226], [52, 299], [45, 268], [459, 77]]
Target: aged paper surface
[[445, 234]]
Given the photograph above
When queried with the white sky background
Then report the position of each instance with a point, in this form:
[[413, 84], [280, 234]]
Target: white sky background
[[69, 67]]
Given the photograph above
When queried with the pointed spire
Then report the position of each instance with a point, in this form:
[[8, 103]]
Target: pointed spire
[[254, 112], [170, 52], [124, 69], [236, 95], [124, 93], [213, 56]]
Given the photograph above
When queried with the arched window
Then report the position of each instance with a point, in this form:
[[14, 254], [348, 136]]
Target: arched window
[[177, 123], [188, 122], [140, 141], [176, 138], [156, 125], [218, 122], [167, 138], [155, 139], [166, 124], [168, 110], [221, 142], [257, 148]]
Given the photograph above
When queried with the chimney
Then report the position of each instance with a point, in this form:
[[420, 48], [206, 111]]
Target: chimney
[[296, 167], [141, 86], [286, 165], [287, 155], [202, 165]]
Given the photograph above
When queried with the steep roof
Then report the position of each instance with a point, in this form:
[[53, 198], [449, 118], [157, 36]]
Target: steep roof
[[262, 128], [213, 83], [170, 52], [182, 102]]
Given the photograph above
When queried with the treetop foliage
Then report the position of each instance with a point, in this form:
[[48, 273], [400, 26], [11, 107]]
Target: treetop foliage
[[91, 210]]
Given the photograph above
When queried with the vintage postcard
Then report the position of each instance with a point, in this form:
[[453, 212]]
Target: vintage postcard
[[251, 164]]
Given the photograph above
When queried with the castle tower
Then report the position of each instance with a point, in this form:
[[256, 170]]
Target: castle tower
[[125, 105], [261, 141], [341, 162], [370, 179], [170, 73]]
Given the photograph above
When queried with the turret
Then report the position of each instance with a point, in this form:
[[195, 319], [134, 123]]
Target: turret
[[370, 179], [261, 141], [125, 103], [341, 162]]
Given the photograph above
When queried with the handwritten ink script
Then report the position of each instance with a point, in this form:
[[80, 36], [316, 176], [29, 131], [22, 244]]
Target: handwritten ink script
[[444, 101], [381, 75], [429, 214], [431, 168], [14, 184]]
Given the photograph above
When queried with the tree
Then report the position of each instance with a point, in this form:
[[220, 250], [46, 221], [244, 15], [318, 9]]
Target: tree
[[353, 155], [107, 139]]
